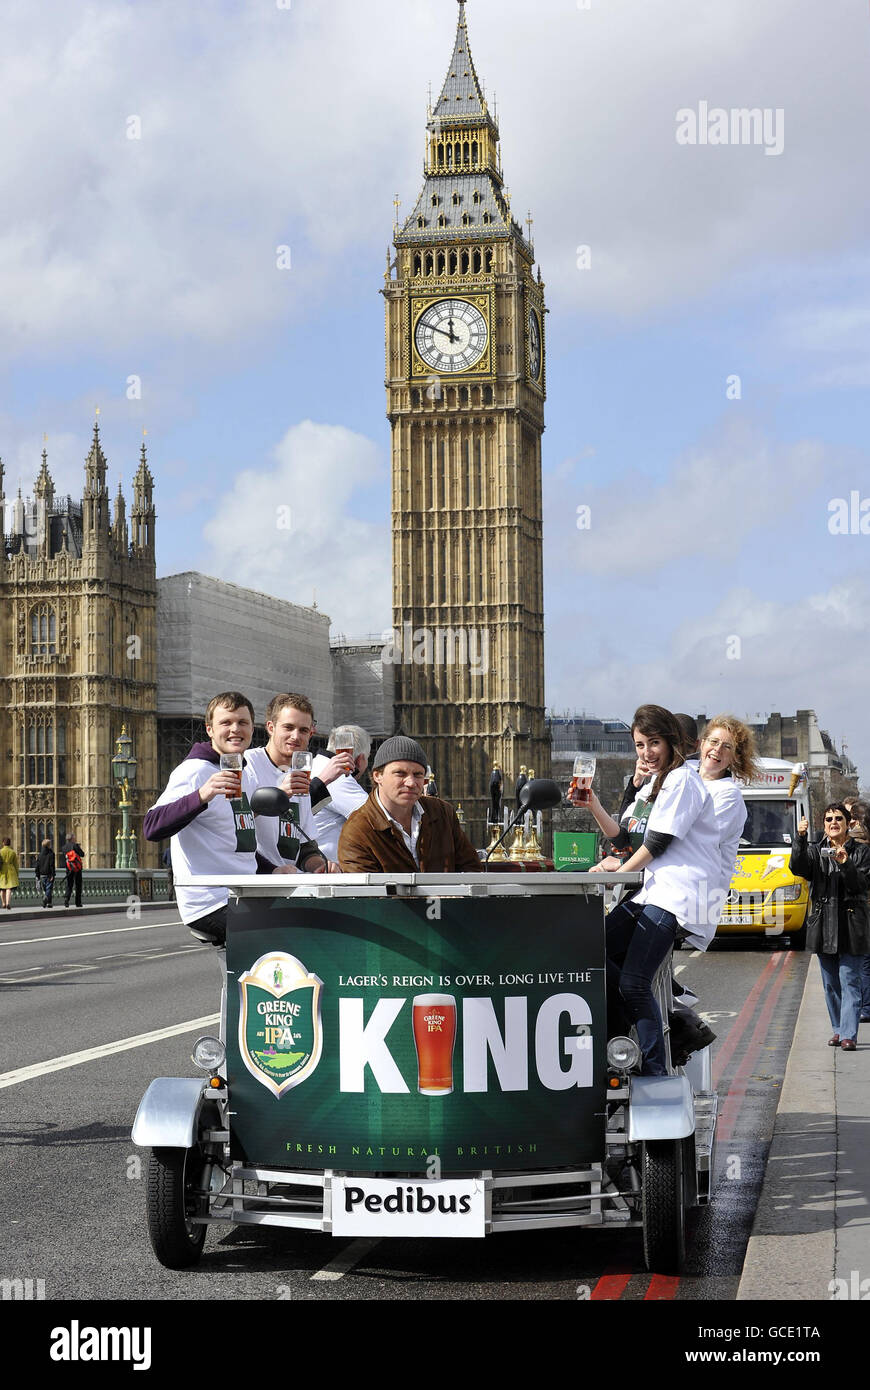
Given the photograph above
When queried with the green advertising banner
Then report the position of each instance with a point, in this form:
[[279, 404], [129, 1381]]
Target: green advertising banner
[[370, 1034], [575, 852]]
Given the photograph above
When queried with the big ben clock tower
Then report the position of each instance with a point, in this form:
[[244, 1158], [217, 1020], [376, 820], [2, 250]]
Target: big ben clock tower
[[466, 368]]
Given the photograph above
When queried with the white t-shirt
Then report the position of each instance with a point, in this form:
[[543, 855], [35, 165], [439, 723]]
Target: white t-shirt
[[209, 844], [271, 829], [682, 879], [346, 797], [731, 818]]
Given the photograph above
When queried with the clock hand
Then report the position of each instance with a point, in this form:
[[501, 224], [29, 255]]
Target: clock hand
[[444, 332]]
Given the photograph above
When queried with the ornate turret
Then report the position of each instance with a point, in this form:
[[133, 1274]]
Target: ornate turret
[[44, 488], [44, 495], [95, 518], [119, 525], [142, 515]]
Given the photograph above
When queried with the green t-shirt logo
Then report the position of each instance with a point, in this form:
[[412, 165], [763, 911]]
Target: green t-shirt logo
[[288, 843], [243, 817], [636, 825]]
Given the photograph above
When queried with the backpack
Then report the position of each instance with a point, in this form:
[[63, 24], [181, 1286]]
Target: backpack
[[73, 861]]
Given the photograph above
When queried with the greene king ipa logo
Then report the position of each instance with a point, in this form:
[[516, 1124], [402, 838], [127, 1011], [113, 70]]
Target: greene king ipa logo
[[280, 1036]]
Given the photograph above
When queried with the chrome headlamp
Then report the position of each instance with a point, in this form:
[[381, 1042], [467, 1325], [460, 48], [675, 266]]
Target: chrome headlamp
[[623, 1054], [209, 1054]]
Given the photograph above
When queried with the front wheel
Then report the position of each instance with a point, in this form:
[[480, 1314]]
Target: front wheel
[[663, 1205], [172, 1176]]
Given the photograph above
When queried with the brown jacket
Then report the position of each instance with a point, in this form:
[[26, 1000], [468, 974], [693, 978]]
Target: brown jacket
[[370, 843]]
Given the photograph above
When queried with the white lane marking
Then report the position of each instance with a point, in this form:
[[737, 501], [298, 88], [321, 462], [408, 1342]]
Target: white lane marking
[[346, 1259], [678, 969], [93, 1054], [74, 935], [39, 973], [11, 977]]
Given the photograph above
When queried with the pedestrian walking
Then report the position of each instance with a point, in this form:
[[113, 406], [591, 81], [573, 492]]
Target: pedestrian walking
[[838, 928], [8, 872], [46, 872], [859, 829], [73, 854]]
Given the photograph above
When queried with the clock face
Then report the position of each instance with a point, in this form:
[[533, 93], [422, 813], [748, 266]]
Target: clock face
[[534, 346], [451, 336]]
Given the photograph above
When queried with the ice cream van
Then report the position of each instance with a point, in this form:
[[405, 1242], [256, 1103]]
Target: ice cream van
[[764, 897]]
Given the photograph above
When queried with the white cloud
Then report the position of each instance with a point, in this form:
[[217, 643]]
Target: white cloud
[[291, 530], [810, 653], [262, 127], [711, 499]]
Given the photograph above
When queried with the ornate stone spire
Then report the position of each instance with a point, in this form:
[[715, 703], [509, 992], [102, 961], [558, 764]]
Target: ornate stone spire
[[44, 489], [119, 525], [95, 510], [142, 515], [95, 467], [462, 93]]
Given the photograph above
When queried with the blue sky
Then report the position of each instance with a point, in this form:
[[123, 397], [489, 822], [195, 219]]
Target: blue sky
[[258, 126]]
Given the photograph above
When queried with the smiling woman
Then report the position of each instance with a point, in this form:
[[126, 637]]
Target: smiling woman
[[679, 855], [728, 756]]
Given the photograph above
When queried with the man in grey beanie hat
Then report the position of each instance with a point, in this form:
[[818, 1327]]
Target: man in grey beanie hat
[[400, 830]]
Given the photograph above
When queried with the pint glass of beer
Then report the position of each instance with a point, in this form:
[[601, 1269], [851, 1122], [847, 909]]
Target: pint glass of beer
[[343, 740], [581, 784], [301, 762], [434, 1020], [232, 762]]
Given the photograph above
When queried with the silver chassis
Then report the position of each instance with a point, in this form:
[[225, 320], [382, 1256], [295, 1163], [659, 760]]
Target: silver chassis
[[599, 1194]]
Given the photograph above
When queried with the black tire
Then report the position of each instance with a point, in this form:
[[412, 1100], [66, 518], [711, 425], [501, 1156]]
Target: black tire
[[171, 1174], [797, 940], [663, 1206]]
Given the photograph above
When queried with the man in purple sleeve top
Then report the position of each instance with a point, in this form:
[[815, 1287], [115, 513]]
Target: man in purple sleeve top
[[212, 831]]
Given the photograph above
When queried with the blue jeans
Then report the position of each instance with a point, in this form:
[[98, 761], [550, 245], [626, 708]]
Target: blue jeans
[[865, 985], [841, 979], [47, 888], [638, 940]]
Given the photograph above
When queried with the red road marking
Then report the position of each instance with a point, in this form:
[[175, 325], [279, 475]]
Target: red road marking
[[662, 1286], [612, 1284], [744, 1018], [737, 1089]]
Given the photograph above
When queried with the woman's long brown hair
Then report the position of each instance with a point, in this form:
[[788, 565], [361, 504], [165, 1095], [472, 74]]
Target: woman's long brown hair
[[654, 721]]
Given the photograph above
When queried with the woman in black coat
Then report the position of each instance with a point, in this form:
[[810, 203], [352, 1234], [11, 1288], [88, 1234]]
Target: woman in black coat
[[838, 929]]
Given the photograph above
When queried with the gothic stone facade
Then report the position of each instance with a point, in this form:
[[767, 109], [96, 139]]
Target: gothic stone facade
[[78, 598]]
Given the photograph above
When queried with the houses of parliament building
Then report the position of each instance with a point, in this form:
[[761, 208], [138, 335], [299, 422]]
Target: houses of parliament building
[[78, 600]]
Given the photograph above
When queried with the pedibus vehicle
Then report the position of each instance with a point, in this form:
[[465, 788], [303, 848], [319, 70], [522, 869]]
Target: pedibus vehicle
[[411, 1055], [765, 897]]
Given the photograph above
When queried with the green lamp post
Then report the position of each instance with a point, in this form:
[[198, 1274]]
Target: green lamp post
[[124, 773]]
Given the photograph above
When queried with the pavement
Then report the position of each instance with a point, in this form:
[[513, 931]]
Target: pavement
[[811, 1235], [32, 912]]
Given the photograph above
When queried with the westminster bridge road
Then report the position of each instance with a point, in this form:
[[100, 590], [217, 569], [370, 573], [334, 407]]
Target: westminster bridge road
[[132, 995]]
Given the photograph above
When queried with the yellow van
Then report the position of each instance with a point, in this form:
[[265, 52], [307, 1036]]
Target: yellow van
[[764, 898]]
